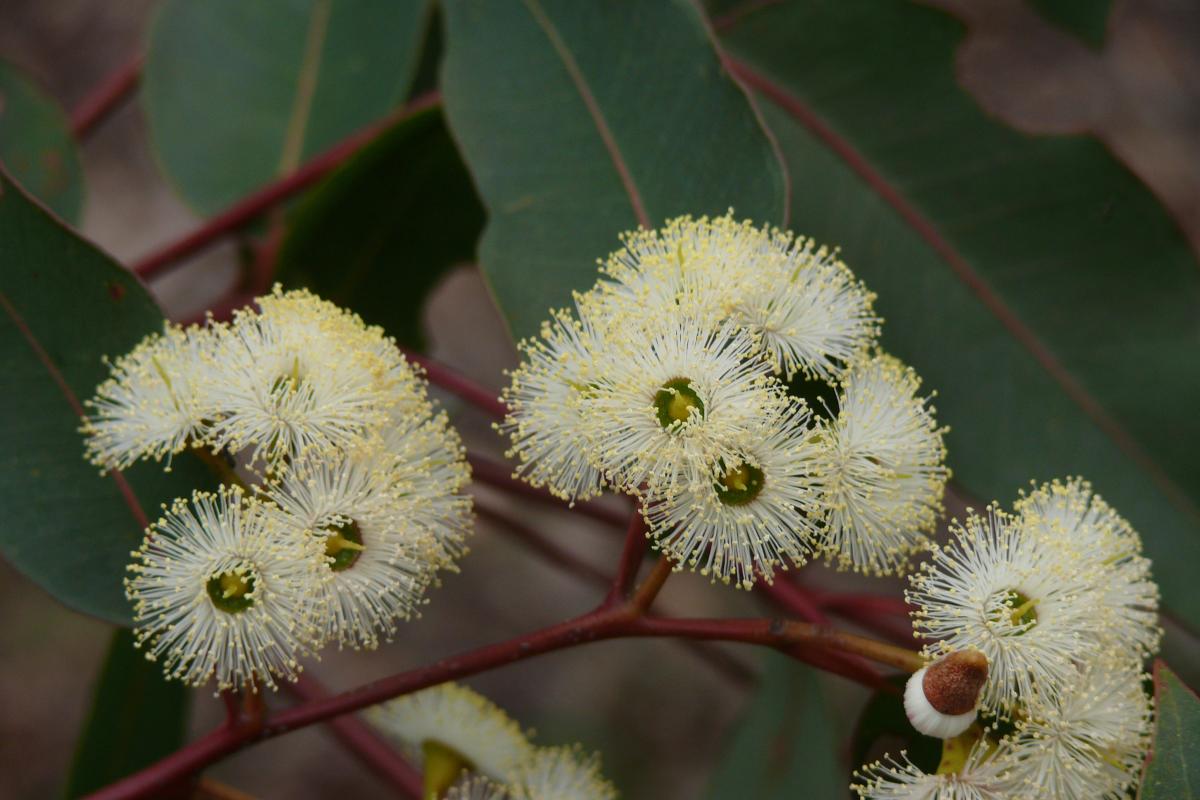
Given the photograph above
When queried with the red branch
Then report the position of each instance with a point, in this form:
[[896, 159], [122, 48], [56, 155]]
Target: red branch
[[106, 97], [632, 553], [365, 744], [247, 209], [604, 623], [455, 382], [500, 476], [729, 667]]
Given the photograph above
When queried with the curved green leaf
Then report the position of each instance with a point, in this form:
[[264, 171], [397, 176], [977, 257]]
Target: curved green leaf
[[1034, 282], [784, 747], [36, 145], [64, 305], [239, 93], [580, 120], [378, 233], [1173, 769], [137, 717], [1086, 19]]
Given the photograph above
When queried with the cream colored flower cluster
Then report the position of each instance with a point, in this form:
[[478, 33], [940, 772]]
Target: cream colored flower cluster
[[469, 749], [1059, 598], [357, 500], [668, 381]]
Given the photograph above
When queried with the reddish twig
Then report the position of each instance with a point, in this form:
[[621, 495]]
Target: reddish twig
[[247, 209], [793, 599], [456, 383], [727, 666], [106, 97], [604, 623], [643, 598], [632, 553], [799, 601], [500, 476], [365, 744]]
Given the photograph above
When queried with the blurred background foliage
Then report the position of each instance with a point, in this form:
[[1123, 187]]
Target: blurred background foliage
[[1018, 181]]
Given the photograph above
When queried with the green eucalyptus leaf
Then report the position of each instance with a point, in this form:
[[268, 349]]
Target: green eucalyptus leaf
[[580, 120], [63, 306], [1033, 281], [240, 93], [1086, 19], [137, 717], [379, 232], [36, 145], [1173, 769], [784, 746]]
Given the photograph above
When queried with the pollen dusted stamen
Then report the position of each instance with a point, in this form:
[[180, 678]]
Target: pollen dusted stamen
[[232, 591], [343, 545], [676, 401]]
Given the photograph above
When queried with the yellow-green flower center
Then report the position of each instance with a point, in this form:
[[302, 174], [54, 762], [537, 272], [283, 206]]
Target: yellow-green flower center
[[676, 402], [343, 545], [289, 382], [441, 765], [1022, 609], [232, 591], [740, 485]]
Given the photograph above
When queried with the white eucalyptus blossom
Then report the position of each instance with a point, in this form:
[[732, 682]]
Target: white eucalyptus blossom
[[562, 773], [425, 463], [152, 405], [676, 403], [379, 563], [1031, 607], [807, 308], [221, 592], [763, 513], [452, 722], [885, 468], [545, 420], [476, 788], [300, 376], [1069, 512], [1090, 743], [981, 777]]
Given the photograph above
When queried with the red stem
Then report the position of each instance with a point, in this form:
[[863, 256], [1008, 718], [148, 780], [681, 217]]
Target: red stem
[[799, 601], [106, 97], [604, 623], [500, 476], [250, 207], [729, 667], [367, 746], [632, 553], [455, 382], [791, 597]]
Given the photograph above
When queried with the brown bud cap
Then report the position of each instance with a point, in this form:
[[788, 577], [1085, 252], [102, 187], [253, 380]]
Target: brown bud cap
[[952, 683]]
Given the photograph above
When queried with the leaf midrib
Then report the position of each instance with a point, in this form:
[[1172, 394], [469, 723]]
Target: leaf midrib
[[43, 357], [306, 87], [579, 81]]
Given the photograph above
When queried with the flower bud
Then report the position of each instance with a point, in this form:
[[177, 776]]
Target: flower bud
[[940, 699]]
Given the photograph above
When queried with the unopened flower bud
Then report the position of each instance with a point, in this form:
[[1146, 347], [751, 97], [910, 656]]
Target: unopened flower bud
[[941, 698]]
